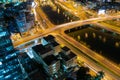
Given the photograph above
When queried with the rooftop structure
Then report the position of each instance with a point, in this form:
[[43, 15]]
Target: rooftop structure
[[51, 59], [48, 39], [42, 50], [68, 60], [67, 57], [45, 56], [54, 44], [56, 47], [66, 50]]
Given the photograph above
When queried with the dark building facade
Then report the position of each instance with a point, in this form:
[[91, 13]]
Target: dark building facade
[[13, 64], [9, 64]]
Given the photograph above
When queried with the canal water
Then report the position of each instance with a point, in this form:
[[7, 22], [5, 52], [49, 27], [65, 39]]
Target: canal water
[[57, 15], [99, 40]]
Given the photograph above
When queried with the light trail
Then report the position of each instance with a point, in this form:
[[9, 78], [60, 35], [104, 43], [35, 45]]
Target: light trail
[[62, 26], [65, 26]]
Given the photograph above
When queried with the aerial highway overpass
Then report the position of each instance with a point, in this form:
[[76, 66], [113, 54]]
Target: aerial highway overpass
[[68, 26]]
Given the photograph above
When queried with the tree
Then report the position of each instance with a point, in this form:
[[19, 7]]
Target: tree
[[82, 74], [99, 76], [69, 78]]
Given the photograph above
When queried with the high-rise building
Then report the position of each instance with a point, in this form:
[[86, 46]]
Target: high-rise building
[[8, 1], [9, 64], [13, 65], [18, 16]]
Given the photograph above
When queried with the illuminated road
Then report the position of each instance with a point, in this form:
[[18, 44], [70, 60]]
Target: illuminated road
[[78, 11], [38, 16], [92, 20], [68, 9], [96, 57], [66, 26], [111, 27], [41, 17], [40, 13], [95, 66], [71, 25]]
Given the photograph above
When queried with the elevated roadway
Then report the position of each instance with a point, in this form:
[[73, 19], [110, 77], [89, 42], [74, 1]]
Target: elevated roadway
[[77, 50], [67, 26]]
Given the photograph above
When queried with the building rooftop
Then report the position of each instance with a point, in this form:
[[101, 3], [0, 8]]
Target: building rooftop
[[49, 38], [65, 48], [41, 49], [71, 55], [55, 44], [67, 57], [51, 59]]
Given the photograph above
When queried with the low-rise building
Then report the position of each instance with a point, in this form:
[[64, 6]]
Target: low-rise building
[[56, 47], [67, 60], [47, 40], [53, 64], [66, 50], [40, 51], [44, 55]]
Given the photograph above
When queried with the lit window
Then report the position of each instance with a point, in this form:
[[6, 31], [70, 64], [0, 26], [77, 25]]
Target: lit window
[[0, 63], [2, 34], [54, 65], [9, 56], [9, 48]]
